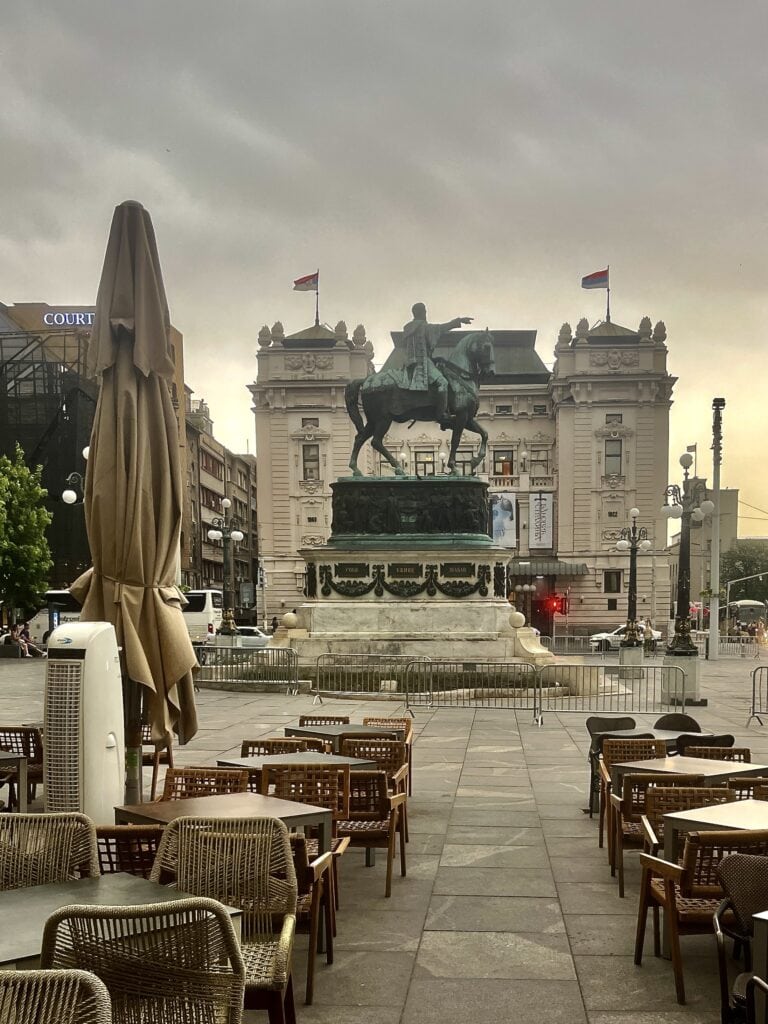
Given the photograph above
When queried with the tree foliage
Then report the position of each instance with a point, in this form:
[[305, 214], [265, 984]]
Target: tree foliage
[[25, 557], [746, 558]]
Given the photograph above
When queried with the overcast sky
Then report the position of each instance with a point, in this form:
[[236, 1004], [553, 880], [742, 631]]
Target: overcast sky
[[478, 156]]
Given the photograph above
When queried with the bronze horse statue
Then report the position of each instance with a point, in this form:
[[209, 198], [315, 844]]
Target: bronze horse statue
[[384, 401]]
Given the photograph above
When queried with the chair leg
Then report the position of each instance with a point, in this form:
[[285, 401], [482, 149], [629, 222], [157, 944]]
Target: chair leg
[[314, 915], [276, 1008], [289, 1006], [656, 930], [618, 851], [330, 923], [155, 770], [601, 815], [670, 919], [642, 916], [403, 841]]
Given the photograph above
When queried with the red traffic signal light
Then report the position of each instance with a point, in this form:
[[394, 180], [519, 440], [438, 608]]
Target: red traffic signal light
[[558, 605]]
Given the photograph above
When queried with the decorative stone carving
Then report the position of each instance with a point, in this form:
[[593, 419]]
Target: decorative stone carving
[[265, 337], [358, 336], [565, 335], [611, 535], [278, 332], [660, 333], [340, 330], [431, 585], [308, 362], [614, 359], [368, 349], [582, 329], [644, 330], [310, 486], [312, 540]]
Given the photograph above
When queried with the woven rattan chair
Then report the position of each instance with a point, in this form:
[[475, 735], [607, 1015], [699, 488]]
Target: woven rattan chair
[[616, 751], [391, 756], [182, 783], [158, 754], [245, 863], [744, 880], [661, 800], [746, 787], [53, 997], [629, 807], [268, 745], [406, 724], [374, 819], [689, 893], [677, 720], [742, 755], [128, 848], [40, 848], [162, 963], [686, 740], [26, 741], [311, 720], [313, 895], [597, 725]]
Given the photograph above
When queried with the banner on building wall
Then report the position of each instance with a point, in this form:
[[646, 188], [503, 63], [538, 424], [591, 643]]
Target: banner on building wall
[[504, 519], [541, 509]]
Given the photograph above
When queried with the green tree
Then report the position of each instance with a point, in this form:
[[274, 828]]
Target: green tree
[[25, 558], [746, 558]]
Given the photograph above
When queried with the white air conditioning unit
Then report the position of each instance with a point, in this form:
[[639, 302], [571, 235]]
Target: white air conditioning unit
[[84, 737]]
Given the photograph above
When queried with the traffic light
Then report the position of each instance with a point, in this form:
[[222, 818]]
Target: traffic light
[[558, 604]]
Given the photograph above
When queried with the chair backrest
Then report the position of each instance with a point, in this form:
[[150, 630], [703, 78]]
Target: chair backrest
[[40, 848], [267, 745], [744, 879], [704, 851], [53, 997], [742, 755], [161, 962], [692, 740], [661, 800], [244, 862], [368, 796], [182, 783], [128, 848], [311, 720], [24, 740], [315, 784], [677, 720], [746, 787], [635, 787], [636, 749], [381, 722], [601, 723], [304, 877], [389, 755]]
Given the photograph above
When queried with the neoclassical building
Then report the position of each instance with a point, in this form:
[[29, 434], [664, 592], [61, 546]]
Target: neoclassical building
[[571, 450]]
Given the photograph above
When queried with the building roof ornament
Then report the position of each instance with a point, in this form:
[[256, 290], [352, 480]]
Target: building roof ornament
[[278, 333], [582, 329], [358, 336], [265, 337], [644, 330], [660, 333]]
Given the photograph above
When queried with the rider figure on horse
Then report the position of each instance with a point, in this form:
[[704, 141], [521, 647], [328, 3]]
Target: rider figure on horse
[[420, 339]]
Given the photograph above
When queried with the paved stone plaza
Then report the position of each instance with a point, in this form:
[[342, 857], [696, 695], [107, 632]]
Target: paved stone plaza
[[508, 912]]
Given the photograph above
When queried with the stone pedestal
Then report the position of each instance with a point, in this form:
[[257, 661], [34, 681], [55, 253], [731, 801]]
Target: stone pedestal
[[670, 687], [631, 663]]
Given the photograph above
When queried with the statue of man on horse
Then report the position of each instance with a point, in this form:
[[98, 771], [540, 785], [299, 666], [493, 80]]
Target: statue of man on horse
[[413, 385]]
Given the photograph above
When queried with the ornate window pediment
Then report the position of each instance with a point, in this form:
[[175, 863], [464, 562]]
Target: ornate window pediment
[[614, 431]]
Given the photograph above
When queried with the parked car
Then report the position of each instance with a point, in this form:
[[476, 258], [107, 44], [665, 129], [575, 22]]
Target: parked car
[[252, 636], [612, 641]]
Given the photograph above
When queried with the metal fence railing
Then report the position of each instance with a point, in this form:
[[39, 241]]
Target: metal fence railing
[[759, 694], [464, 684], [732, 646], [639, 689], [248, 667], [340, 675], [565, 644]]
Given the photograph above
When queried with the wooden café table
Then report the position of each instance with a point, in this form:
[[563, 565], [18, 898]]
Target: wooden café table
[[308, 757], [741, 814], [333, 733], [715, 772]]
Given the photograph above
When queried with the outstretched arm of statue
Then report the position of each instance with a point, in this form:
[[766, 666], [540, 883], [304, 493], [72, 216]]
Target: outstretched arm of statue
[[466, 319]]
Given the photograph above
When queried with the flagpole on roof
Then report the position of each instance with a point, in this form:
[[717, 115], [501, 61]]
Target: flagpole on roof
[[317, 299], [608, 298]]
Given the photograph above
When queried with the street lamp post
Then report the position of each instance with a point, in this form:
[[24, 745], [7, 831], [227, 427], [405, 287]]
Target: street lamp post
[[632, 540], [227, 530], [688, 503]]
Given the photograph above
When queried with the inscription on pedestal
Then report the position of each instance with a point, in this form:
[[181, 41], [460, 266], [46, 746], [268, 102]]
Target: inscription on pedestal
[[457, 570], [405, 571], [351, 570]]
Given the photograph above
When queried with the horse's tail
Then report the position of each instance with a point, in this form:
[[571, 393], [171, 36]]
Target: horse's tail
[[351, 398]]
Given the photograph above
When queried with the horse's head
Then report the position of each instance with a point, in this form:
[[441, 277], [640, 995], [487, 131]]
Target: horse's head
[[481, 353]]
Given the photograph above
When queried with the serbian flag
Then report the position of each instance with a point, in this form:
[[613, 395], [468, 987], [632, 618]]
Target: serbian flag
[[597, 280], [308, 283]]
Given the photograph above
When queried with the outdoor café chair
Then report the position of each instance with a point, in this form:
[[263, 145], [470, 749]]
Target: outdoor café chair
[[629, 807], [267, 745], [744, 880], [391, 756], [616, 751], [161, 753], [755, 985], [661, 800], [747, 787], [39, 848], [313, 879], [162, 963], [310, 720], [128, 848], [406, 724], [743, 755], [689, 893], [245, 863], [596, 725], [374, 818], [26, 741], [686, 740], [677, 720], [53, 997], [183, 783]]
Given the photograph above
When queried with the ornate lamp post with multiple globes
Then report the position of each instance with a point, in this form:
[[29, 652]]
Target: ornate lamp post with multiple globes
[[632, 540], [687, 503], [226, 529]]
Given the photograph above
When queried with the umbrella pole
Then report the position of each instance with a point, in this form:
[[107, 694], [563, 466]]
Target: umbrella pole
[[133, 753]]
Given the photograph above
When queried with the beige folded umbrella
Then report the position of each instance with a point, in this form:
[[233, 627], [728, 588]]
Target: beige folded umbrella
[[133, 491]]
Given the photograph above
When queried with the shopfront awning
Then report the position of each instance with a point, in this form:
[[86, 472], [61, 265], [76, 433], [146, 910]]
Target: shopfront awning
[[546, 567]]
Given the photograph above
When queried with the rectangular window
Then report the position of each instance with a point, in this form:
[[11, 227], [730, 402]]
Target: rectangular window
[[310, 421], [464, 458], [504, 410], [613, 418], [539, 410], [613, 604], [503, 461], [424, 462], [211, 465], [538, 461], [613, 458], [311, 461], [612, 581]]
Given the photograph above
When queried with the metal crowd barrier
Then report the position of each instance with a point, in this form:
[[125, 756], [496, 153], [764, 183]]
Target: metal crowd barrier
[[759, 694], [471, 684], [351, 675], [731, 646], [224, 665]]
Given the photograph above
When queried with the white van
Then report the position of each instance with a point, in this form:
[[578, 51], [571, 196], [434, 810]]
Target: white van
[[203, 614], [65, 609]]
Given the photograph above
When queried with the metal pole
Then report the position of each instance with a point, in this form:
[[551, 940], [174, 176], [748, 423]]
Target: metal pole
[[718, 404]]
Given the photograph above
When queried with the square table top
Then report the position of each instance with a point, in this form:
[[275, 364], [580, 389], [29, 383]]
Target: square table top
[[658, 734], [334, 731], [708, 767], [259, 761], [740, 814], [29, 908], [6, 755], [228, 805]]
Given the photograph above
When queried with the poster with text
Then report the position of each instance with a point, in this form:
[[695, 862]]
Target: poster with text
[[541, 510], [504, 519]]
